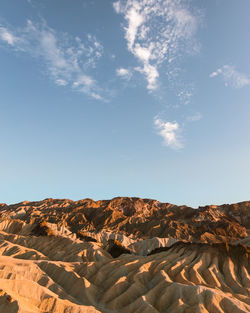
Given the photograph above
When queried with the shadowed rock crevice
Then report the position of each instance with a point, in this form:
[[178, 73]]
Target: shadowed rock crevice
[[41, 229], [115, 248]]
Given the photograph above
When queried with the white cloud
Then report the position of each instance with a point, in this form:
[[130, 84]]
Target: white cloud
[[214, 74], [124, 73], [88, 85], [151, 74], [66, 59], [135, 19], [157, 31], [7, 36], [169, 131], [83, 80], [231, 77], [117, 7], [61, 82]]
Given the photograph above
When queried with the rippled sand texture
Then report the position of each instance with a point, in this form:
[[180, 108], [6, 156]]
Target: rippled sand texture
[[48, 268]]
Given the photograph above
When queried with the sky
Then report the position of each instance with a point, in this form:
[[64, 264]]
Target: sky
[[142, 98]]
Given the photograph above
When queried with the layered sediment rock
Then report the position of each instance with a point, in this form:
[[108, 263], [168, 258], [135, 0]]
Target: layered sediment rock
[[124, 255]]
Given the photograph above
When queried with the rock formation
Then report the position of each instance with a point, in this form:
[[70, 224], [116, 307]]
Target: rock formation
[[124, 255]]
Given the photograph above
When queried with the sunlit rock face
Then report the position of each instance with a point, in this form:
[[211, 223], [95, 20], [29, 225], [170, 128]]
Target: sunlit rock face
[[124, 255]]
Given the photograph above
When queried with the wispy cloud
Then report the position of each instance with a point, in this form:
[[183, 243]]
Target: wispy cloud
[[170, 132], [231, 77], [61, 82], [157, 31], [66, 59], [124, 73], [195, 117], [185, 95], [7, 36]]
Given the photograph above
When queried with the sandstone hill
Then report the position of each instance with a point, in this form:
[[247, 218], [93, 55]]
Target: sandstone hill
[[124, 255]]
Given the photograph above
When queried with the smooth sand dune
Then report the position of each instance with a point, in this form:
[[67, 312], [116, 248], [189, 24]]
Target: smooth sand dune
[[46, 268]]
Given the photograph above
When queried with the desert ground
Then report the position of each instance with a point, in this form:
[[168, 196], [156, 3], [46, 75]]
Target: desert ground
[[125, 255]]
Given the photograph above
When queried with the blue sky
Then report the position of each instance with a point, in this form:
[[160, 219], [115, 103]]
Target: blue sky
[[147, 98]]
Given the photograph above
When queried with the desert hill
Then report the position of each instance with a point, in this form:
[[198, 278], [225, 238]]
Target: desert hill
[[124, 255]]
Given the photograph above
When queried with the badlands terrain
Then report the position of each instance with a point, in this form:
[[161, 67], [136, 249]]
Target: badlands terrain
[[125, 255]]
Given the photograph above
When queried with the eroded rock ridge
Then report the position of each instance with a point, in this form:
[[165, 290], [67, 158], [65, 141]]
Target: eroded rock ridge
[[124, 255]]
